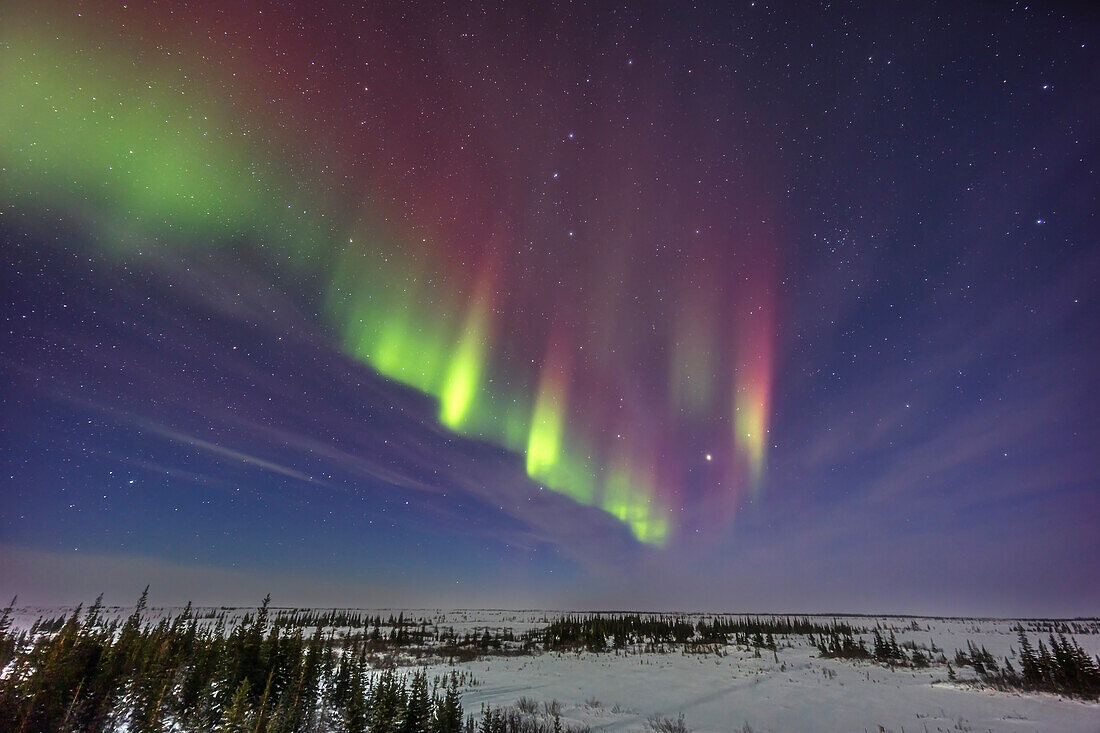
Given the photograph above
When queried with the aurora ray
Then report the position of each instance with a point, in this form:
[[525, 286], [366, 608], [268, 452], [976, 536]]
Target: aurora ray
[[195, 157]]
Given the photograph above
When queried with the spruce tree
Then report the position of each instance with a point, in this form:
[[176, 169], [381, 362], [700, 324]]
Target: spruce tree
[[237, 717], [7, 639], [1029, 664], [448, 713], [417, 718], [1046, 664]]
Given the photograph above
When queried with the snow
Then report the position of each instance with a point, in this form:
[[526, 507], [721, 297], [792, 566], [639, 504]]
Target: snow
[[800, 692], [724, 693], [792, 690]]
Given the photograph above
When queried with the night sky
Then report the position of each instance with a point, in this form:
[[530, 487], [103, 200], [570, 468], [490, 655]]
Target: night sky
[[737, 306]]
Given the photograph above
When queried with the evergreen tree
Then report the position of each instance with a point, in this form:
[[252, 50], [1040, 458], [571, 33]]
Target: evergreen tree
[[238, 717], [7, 639], [417, 718], [1045, 664], [1029, 663], [387, 705], [448, 712]]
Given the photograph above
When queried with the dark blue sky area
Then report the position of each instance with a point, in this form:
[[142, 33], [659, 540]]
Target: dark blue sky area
[[909, 189]]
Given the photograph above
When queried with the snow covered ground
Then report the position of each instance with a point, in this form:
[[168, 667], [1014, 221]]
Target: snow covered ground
[[799, 693], [793, 689]]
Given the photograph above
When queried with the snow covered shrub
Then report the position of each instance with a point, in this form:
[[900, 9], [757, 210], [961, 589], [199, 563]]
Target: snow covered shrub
[[660, 724]]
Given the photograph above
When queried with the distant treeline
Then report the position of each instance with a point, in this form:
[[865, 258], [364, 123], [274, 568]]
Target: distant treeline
[[1060, 667], [1063, 667], [91, 674], [1062, 626], [603, 632], [885, 649]]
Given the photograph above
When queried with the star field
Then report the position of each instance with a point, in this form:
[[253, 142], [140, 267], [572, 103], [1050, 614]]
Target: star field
[[513, 305]]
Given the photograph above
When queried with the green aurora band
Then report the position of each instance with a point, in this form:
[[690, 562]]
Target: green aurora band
[[123, 145]]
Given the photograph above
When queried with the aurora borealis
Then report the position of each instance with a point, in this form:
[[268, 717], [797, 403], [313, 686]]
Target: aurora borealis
[[572, 292]]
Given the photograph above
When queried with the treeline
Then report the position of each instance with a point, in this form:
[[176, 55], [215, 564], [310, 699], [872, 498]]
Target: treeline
[[839, 645], [438, 643], [94, 674], [1059, 666], [1062, 667], [344, 618], [884, 649], [1083, 627], [599, 632], [775, 625], [417, 637]]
